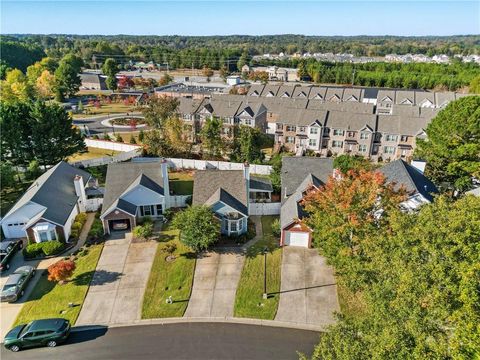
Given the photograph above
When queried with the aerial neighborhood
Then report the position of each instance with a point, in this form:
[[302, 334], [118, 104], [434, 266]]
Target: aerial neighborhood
[[238, 196]]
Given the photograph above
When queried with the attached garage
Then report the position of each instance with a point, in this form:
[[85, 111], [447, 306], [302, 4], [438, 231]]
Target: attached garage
[[119, 225], [297, 238], [14, 230]]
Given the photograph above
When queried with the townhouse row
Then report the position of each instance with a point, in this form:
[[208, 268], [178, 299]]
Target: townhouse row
[[321, 127]]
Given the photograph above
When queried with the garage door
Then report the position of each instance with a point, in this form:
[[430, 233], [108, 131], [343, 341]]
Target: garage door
[[119, 225], [295, 238], [14, 230]]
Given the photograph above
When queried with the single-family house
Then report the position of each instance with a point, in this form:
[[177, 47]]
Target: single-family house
[[48, 208], [301, 175], [228, 193], [134, 190]]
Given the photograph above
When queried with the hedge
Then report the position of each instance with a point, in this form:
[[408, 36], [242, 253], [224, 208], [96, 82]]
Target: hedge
[[45, 248]]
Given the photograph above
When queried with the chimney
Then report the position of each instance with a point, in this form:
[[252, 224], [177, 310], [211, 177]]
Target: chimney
[[80, 192], [166, 186]]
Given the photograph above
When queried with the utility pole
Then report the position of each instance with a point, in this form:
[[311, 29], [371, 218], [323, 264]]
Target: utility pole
[[353, 76], [265, 294]]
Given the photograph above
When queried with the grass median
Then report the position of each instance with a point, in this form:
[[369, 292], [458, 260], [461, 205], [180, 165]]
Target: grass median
[[49, 299], [169, 278], [248, 301]]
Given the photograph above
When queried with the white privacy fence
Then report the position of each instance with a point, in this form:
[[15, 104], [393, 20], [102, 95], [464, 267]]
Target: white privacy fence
[[93, 204], [179, 200], [177, 164], [264, 208], [111, 145], [124, 156]]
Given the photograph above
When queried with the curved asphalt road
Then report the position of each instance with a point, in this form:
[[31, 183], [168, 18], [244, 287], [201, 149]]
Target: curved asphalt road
[[95, 126], [178, 341]]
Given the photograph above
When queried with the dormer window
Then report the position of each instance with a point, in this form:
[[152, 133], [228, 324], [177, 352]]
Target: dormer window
[[364, 135]]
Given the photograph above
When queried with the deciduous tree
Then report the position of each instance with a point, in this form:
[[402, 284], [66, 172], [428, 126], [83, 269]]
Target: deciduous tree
[[452, 150], [211, 136], [61, 271], [159, 109], [198, 227]]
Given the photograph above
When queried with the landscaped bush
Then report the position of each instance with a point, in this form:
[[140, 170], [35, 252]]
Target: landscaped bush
[[77, 226], [52, 247], [143, 231], [45, 248], [81, 218], [96, 231], [276, 229]]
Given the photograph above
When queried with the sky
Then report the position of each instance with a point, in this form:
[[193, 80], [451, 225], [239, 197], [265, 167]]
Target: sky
[[355, 17]]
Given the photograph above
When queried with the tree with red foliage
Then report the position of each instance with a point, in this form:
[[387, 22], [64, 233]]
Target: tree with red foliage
[[346, 213], [125, 82], [61, 271], [133, 123]]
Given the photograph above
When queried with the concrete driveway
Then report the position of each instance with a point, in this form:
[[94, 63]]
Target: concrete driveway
[[9, 312], [308, 291], [215, 284], [116, 291]]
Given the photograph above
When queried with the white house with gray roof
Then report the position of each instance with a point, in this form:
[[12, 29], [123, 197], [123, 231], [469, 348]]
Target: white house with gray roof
[[48, 208]]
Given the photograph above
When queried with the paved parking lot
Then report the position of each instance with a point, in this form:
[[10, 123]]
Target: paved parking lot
[[116, 291], [215, 284], [308, 291]]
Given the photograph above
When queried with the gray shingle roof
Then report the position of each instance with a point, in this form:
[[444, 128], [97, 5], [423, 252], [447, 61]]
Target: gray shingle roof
[[188, 106], [260, 183], [227, 186], [296, 169], [122, 177], [402, 173], [54, 190], [401, 125], [349, 121], [301, 117], [352, 107], [255, 89]]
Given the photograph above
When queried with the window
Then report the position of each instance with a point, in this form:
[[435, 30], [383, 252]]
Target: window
[[351, 134], [313, 130], [389, 149], [389, 137], [290, 139], [362, 148], [337, 132], [364, 135], [301, 129], [290, 128], [336, 143], [159, 209], [233, 226], [248, 122], [404, 138], [147, 210], [279, 127], [312, 142], [43, 236]]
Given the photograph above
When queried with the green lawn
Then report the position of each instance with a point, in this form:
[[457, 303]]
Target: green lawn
[[173, 278], [92, 153], [248, 301], [181, 182], [49, 299], [113, 108]]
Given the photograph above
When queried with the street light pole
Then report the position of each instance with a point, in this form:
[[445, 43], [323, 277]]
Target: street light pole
[[265, 295]]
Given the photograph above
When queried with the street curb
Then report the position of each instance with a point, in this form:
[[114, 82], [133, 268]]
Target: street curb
[[227, 320]]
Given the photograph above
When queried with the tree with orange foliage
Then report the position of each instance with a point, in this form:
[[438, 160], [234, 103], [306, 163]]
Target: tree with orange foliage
[[61, 271], [345, 214]]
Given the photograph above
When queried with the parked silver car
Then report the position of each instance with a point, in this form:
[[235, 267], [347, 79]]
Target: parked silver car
[[16, 283]]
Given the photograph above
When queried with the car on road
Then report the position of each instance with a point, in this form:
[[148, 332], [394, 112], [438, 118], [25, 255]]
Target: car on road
[[16, 283], [8, 248], [45, 332]]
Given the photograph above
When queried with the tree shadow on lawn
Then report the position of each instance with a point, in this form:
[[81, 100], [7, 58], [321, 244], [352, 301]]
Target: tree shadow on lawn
[[189, 255], [165, 238], [96, 278]]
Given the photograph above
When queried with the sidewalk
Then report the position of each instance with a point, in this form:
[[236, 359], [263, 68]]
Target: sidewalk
[[9, 312]]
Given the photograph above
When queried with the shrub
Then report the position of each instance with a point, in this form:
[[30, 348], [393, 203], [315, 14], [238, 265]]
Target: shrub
[[74, 234], [147, 220], [168, 214], [96, 231], [81, 218], [76, 226], [61, 270], [276, 230], [52, 247], [143, 231], [32, 250], [46, 248]]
